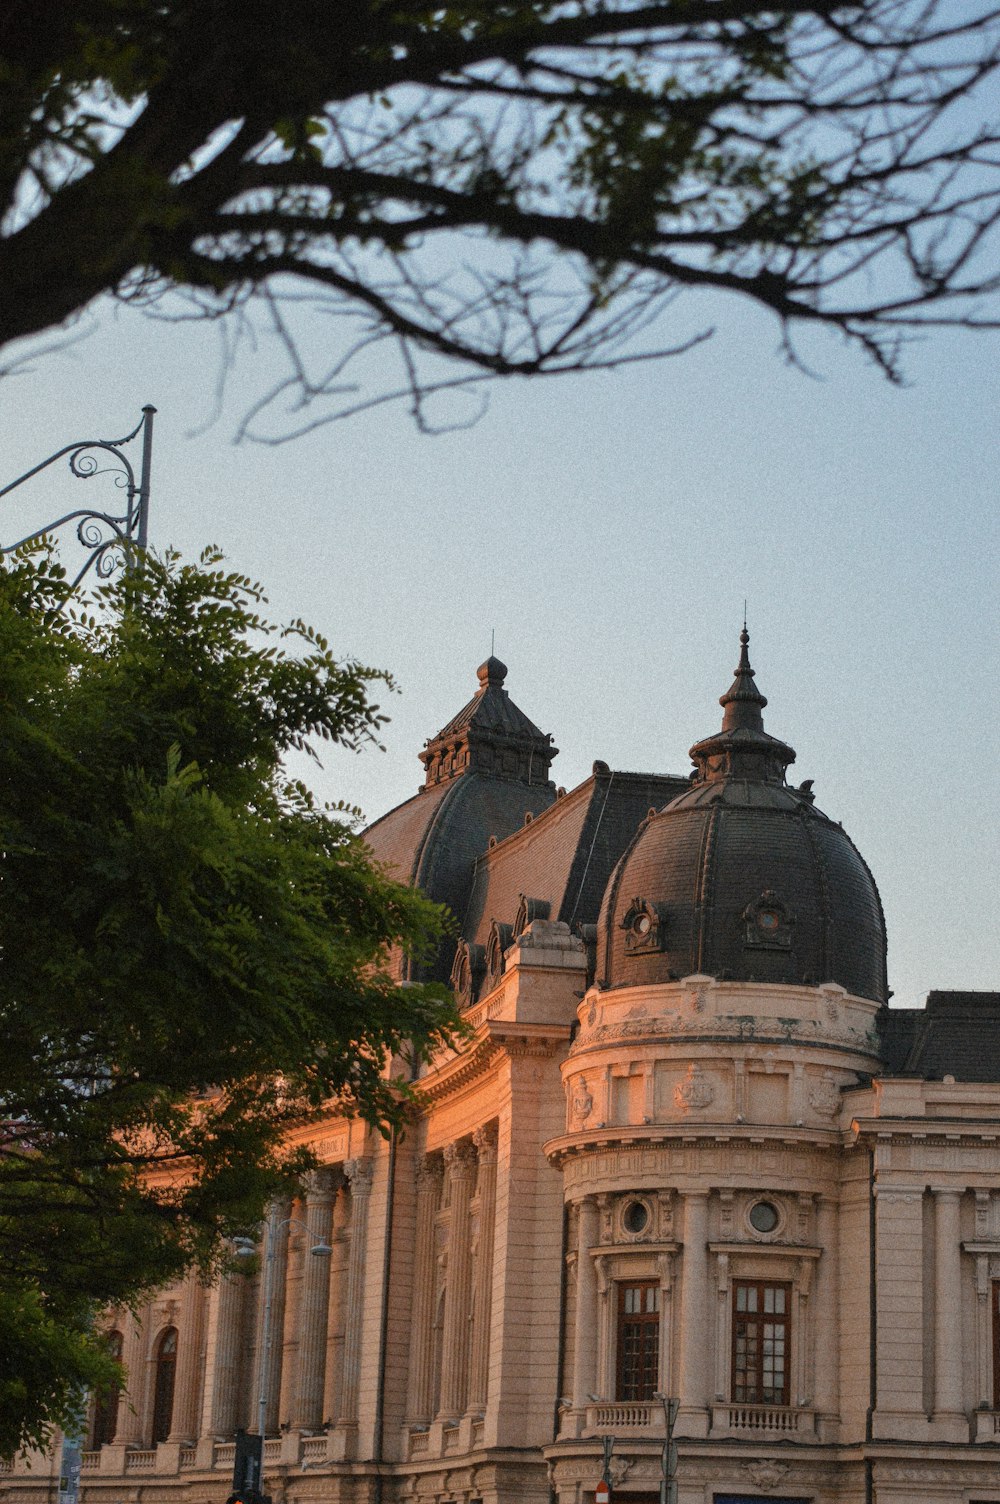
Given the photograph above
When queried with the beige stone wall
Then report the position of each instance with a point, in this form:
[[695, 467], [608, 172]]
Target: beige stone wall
[[478, 1361]]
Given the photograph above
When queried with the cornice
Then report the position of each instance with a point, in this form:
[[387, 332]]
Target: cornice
[[495, 1039], [937, 1131], [668, 1135]]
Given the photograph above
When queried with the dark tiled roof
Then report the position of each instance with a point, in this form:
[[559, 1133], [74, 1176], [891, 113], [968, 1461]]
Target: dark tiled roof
[[434, 838], [490, 735], [742, 877], [565, 856], [956, 1034]]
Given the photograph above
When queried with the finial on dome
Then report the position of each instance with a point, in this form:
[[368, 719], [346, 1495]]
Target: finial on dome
[[743, 701], [492, 673]]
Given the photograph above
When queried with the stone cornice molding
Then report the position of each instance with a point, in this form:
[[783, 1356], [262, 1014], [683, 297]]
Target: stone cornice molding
[[782, 1250], [495, 1040], [671, 1135], [939, 1132]]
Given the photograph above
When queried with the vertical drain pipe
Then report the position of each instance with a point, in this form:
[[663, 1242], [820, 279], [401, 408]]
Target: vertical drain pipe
[[379, 1428], [872, 1334], [561, 1339]]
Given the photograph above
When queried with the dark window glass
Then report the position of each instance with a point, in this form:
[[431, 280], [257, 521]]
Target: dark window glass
[[106, 1408], [761, 1338], [638, 1340], [764, 1216], [636, 1217], [163, 1394]]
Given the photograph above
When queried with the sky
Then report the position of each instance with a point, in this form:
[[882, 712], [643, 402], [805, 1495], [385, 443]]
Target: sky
[[607, 529]]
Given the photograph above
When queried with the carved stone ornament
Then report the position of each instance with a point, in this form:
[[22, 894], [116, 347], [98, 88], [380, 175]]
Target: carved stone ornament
[[824, 1095], [644, 928], [694, 1092], [528, 910], [618, 1470], [496, 944], [766, 1474], [767, 923], [583, 1102], [467, 972]]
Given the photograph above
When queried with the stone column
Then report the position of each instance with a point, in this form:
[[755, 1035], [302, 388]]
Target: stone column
[[359, 1172], [486, 1194], [585, 1339], [460, 1162], [421, 1388], [314, 1305], [219, 1411], [336, 1317], [184, 1424], [273, 1275], [947, 1304], [128, 1429], [693, 1377], [825, 1344]]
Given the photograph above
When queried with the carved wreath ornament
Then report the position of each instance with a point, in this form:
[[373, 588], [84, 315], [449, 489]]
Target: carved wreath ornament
[[766, 1474]]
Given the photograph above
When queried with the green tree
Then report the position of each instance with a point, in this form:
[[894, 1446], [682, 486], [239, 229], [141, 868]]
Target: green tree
[[521, 186], [193, 954]]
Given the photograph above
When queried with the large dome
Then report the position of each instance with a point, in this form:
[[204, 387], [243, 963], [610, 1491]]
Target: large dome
[[741, 877]]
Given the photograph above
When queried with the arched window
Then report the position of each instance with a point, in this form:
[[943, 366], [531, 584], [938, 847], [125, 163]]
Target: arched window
[[106, 1404], [163, 1393]]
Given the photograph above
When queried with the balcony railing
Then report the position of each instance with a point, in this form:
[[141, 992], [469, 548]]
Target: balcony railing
[[622, 1416], [141, 1462], [763, 1420]]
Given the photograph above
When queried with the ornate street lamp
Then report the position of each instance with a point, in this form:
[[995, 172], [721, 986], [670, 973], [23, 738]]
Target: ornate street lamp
[[110, 537]]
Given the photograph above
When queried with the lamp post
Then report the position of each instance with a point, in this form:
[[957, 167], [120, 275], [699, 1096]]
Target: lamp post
[[668, 1484], [244, 1247], [110, 537]]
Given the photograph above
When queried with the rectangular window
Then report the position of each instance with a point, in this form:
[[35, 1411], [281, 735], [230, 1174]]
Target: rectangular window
[[638, 1340], [761, 1338]]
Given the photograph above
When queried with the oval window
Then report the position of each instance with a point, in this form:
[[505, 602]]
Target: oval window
[[764, 1216], [635, 1217]]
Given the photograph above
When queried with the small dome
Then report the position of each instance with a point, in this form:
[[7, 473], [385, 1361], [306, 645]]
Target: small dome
[[741, 877]]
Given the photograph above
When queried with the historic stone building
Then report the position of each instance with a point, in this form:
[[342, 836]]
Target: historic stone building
[[687, 1150]]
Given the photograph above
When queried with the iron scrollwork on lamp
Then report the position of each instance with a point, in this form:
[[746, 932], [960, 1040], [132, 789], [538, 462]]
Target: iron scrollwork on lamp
[[110, 537]]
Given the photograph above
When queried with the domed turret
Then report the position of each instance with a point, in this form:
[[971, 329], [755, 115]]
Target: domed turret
[[741, 877]]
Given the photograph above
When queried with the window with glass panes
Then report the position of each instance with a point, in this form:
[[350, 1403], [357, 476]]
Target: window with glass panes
[[761, 1339], [638, 1340]]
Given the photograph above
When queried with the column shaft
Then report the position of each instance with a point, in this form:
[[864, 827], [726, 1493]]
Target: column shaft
[[693, 1384], [825, 1344], [219, 1412], [271, 1315], [359, 1172], [421, 1390], [314, 1307], [184, 1424], [455, 1340], [585, 1344], [486, 1195], [129, 1425]]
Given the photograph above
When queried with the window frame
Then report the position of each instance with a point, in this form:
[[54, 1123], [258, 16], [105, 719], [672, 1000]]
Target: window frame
[[164, 1364], [643, 1366], [761, 1317]]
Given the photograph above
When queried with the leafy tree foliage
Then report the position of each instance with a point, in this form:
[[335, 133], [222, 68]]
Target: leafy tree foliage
[[521, 186], [192, 952]]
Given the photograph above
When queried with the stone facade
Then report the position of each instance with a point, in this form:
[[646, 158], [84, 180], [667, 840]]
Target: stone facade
[[708, 1187]]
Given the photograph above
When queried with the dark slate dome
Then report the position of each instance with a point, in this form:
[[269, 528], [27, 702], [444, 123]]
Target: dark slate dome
[[741, 877], [484, 772]]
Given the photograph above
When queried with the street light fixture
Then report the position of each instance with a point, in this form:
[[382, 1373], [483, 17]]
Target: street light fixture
[[110, 537]]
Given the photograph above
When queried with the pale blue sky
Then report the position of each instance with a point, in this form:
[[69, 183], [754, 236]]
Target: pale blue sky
[[608, 528]]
